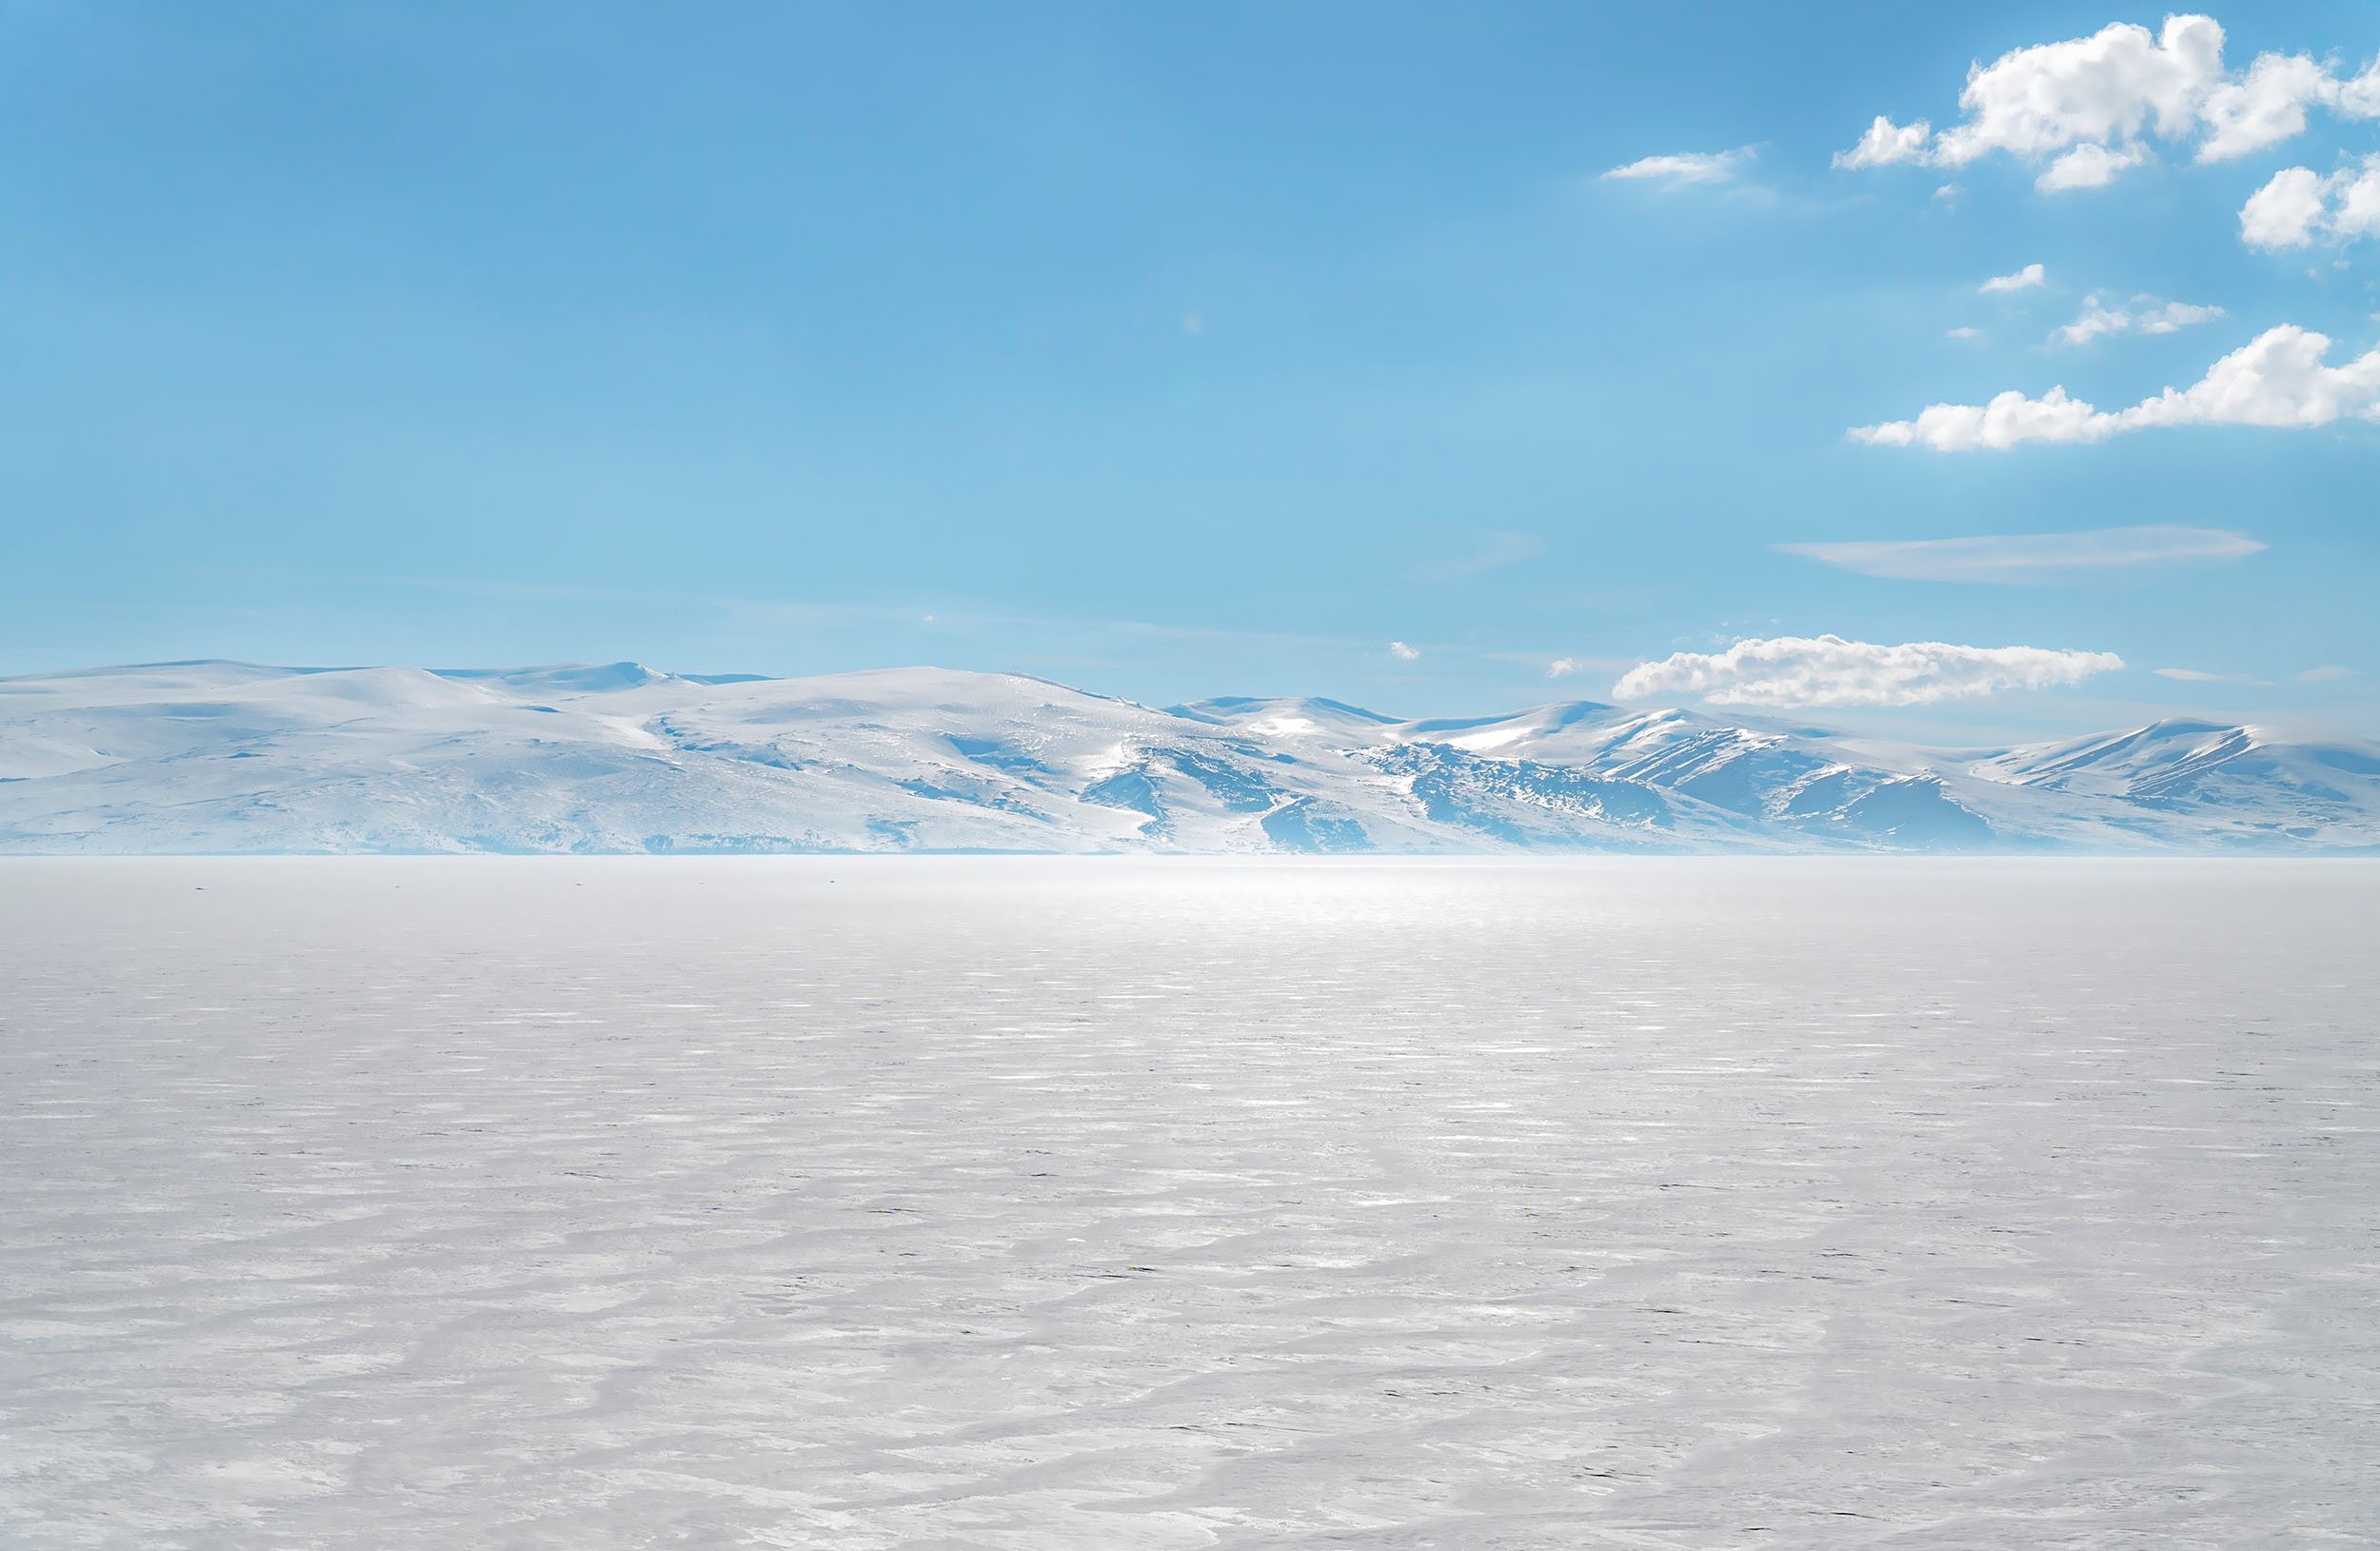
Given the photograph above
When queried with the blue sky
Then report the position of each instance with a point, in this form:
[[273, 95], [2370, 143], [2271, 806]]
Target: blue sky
[[1172, 351]]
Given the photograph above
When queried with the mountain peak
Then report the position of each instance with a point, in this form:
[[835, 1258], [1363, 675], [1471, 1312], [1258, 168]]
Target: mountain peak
[[621, 757]]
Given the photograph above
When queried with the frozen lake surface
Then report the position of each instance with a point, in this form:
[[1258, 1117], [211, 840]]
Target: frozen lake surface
[[1151, 1205]]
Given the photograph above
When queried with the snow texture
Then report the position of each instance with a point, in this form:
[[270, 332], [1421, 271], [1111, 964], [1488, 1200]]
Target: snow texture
[[1039, 1204]]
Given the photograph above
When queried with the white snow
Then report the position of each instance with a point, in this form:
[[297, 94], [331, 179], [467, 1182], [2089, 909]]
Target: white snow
[[227, 757], [1109, 1202]]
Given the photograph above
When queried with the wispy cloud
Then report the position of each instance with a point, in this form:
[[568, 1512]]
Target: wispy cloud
[[2024, 279], [2141, 315], [2029, 557], [1687, 166], [1494, 553], [2327, 673], [1829, 671], [2278, 379], [1562, 665], [2193, 675], [1404, 653]]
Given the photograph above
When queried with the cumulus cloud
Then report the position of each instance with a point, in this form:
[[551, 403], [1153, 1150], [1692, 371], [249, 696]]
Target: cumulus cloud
[[1887, 143], [1687, 166], [2280, 379], [2088, 106], [2010, 418], [2088, 167], [2024, 279], [2298, 207], [2141, 315], [1829, 671], [1562, 667], [2029, 557], [2263, 108], [2095, 90], [2287, 211], [1402, 652]]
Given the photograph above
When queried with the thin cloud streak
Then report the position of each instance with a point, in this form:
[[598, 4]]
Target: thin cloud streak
[[1685, 167], [1498, 551], [2030, 557]]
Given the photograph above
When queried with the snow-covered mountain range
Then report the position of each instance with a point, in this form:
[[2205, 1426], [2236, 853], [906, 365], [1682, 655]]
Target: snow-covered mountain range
[[230, 757]]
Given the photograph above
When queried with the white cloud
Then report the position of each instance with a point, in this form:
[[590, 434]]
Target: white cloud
[[2287, 211], [2088, 105], [2298, 207], [2174, 316], [1565, 666], [2108, 87], [2142, 315], [2277, 379], [2191, 675], [2263, 108], [1962, 331], [2327, 673], [1687, 166], [1402, 652], [2088, 167], [2360, 97], [2029, 557], [2010, 418], [1887, 143], [1829, 671], [2095, 319], [2030, 275]]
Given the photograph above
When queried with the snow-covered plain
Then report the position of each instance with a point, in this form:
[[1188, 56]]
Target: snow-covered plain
[[180, 758], [1114, 1203]]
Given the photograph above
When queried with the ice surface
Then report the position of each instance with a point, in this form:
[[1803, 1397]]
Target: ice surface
[[1026, 1205]]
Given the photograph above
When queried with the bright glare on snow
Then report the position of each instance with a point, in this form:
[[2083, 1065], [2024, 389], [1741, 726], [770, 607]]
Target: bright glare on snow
[[1042, 1203]]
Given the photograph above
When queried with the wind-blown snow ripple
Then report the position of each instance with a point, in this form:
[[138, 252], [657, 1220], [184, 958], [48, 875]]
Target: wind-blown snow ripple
[[1029, 1205]]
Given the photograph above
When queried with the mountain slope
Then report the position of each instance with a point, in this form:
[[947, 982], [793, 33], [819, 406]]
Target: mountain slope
[[235, 757]]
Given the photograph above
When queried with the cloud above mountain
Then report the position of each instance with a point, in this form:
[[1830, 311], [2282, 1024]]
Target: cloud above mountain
[[2086, 109], [2281, 379], [1827, 670]]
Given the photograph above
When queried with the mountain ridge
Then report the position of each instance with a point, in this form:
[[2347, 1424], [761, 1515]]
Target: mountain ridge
[[212, 755]]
